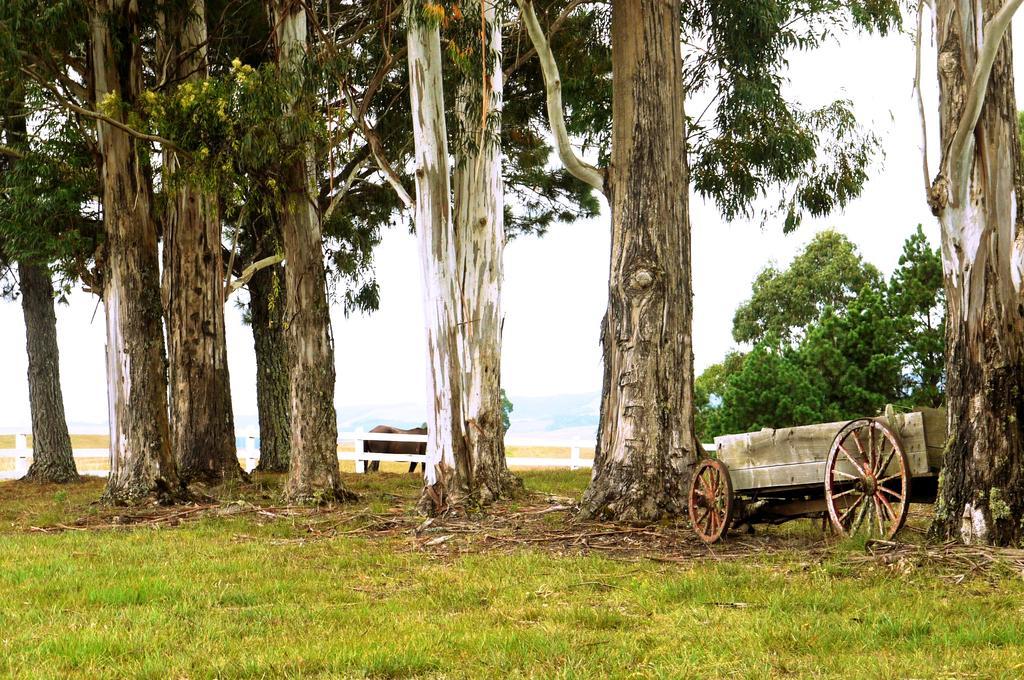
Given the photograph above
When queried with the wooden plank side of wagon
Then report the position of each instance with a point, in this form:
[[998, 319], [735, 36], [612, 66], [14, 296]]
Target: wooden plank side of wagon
[[795, 456], [934, 435], [778, 477]]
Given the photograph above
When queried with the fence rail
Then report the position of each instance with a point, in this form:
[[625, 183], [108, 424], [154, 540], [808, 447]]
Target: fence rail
[[249, 453]]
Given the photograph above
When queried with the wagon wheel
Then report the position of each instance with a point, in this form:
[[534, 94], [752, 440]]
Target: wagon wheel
[[867, 480], [711, 501]]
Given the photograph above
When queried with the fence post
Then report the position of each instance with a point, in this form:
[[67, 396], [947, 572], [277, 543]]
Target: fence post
[[360, 464], [574, 455], [21, 456], [249, 453]]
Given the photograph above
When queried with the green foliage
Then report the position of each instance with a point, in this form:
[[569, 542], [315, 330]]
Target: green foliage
[[470, 53], [848, 351], [918, 300], [771, 389], [854, 357], [236, 130], [828, 273], [506, 410], [251, 117], [46, 213], [37, 32], [755, 142]]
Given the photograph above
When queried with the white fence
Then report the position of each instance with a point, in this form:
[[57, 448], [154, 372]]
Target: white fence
[[22, 455], [249, 454]]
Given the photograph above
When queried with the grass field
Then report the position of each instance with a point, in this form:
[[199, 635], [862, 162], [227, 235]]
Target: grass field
[[255, 590]]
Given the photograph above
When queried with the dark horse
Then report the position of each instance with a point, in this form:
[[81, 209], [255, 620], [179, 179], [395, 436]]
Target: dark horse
[[400, 448]]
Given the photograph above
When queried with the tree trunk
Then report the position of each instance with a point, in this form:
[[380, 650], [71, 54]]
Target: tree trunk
[[141, 464], [981, 496], [202, 422], [266, 312], [52, 459], [314, 475], [447, 457], [479, 249], [646, 444]]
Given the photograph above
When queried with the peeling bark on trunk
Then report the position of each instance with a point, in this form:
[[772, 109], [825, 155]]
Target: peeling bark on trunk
[[479, 249], [266, 311], [52, 459], [141, 464], [314, 475], [981, 496], [646, 445], [202, 422], [446, 436]]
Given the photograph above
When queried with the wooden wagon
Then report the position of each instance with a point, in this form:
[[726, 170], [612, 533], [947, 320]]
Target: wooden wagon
[[861, 474]]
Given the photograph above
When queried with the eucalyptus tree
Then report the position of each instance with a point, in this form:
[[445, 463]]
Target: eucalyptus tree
[[463, 221], [435, 231], [201, 416], [88, 55], [266, 319], [461, 246], [244, 144], [313, 471], [238, 50], [975, 195], [142, 462], [52, 456], [756, 142], [45, 179]]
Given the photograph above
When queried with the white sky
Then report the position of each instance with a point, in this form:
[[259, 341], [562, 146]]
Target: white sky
[[555, 287]]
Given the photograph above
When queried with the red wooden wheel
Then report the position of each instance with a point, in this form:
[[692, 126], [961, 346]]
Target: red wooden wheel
[[867, 480], [711, 502]]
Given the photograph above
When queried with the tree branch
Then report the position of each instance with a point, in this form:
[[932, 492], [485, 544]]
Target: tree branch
[[579, 168], [75, 88], [377, 149], [358, 113], [993, 34], [96, 115], [343, 191], [249, 271], [13, 153], [920, 100], [552, 29], [230, 269]]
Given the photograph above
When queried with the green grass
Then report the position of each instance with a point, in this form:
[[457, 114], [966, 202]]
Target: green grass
[[257, 597]]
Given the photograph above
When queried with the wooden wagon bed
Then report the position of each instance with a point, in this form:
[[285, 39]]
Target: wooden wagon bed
[[862, 474], [794, 457]]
